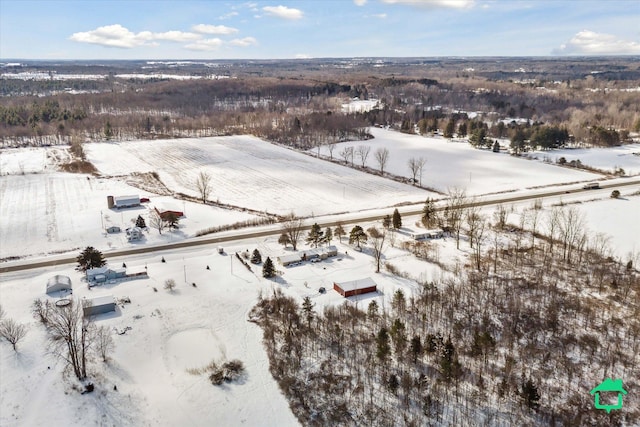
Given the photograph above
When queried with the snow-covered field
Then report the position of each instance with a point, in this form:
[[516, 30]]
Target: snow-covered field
[[457, 164], [253, 173], [45, 211], [626, 157]]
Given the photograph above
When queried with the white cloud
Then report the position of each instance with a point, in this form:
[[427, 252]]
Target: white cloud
[[453, 4], [244, 42], [113, 36], [213, 29], [588, 42], [228, 15], [360, 2], [205, 44], [303, 56], [380, 15], [118, 36], [173, 36], [283, 12]]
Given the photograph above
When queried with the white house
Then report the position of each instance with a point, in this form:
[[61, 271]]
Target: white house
[[134, 233]]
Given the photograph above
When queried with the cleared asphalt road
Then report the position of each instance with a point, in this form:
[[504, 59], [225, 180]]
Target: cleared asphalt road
[[248, 233]]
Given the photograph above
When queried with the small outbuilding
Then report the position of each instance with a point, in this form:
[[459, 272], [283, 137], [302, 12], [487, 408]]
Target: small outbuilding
[[355, 287], [98, 305], [113, 229], [120, 202], [289, 259], [58, 283]]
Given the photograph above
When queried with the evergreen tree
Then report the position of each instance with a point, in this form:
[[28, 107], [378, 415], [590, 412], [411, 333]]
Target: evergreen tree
[[386, 221], [339, 231], [396, 220], [416, 348], [256, 258], [328, 235], [429, 215], [140, 222], [268, 270], [357, 236], [90, 258], [478, 137], [393, 383], [307, 309], [382, 343], [449, 363], [315, 235], [449, 129], [284, 239], [462, 129], [496, 146], [530, 394]]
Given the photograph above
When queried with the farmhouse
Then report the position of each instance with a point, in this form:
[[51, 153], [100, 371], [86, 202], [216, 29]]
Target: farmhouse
[[120, 202], [134, 233], [98, 305], [308, 254], [58, 283], [355, 287], [102, 274]]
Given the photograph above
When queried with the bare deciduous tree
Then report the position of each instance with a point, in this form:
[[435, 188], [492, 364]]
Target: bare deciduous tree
[[363, 153], [12, 331], [156, 221], [378, 241], [331, 147], [170, 285], [71, 336], [347, 154], [416, 165], [382, 156], [292, 225], [104, 342], [203, 184], [454, 211]]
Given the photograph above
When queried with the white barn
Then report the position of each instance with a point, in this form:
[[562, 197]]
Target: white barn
[[58, 283], [98, 305]]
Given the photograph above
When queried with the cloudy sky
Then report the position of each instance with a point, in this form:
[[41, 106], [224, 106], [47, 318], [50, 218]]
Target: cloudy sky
[[217, 29]]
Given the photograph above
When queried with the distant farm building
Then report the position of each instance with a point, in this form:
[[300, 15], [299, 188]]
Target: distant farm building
[[289, 259], [166, 213], [98, 305], [355, 287], [113, 229], [102, 274], [120, 202], [58, 283]]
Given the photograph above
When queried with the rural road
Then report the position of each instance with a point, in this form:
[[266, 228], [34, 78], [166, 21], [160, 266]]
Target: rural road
[[275, 229]]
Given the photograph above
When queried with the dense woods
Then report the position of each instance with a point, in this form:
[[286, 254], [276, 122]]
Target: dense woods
[[532, 102], [516, 336]]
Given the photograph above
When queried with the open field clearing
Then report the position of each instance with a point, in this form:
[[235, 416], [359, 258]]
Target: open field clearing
[[53, 212], [249, 172], [626, 157], [458, 164]]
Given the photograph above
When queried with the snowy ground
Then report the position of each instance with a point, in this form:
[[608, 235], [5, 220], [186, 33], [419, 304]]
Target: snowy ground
[[458, 164], [252, 173]]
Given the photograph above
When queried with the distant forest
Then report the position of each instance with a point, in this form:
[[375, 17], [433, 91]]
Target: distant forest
[[533, 102]]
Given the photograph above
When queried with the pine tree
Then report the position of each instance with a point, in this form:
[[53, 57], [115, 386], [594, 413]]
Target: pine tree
[[396, 220], [315, 235], [328, 235], [449, 129], [339, 231], [357, 236], [416, 348], [386, 221], [429, 216], [382, 343], [530, 394], [256, 258], [307, 308], [268, 270], [284, 239], [462, 129], [140, 222], [90, 258]]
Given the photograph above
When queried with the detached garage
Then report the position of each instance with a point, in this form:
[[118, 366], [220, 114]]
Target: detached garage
[[355, 287], [58, 283], [98, 305]]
